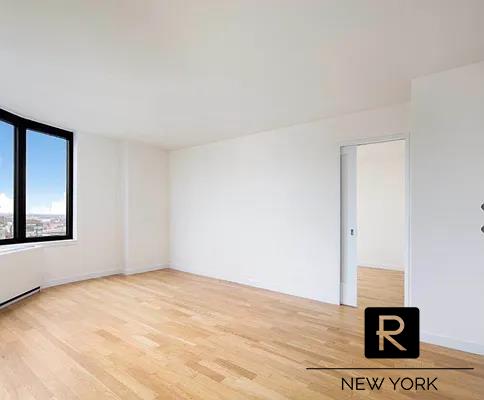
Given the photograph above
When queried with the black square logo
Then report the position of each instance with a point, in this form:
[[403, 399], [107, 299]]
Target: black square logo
[[392, 332]]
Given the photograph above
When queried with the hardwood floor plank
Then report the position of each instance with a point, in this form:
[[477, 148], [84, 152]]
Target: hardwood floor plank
[[380, 287]]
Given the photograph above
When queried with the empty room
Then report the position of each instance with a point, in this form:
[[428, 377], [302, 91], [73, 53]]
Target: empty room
[[264, 200]]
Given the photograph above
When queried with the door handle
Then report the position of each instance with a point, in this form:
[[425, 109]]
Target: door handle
[[352, 231]]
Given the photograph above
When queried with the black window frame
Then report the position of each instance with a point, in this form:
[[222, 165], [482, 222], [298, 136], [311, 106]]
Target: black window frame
[[21, 126]]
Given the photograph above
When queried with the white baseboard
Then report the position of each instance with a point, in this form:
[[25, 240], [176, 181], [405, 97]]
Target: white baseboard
[[470, 347], [100, 274], [146, 269], [382, 266], [78, 278], [257, 284]]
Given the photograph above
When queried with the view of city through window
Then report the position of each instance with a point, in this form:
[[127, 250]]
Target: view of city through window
[[45, 184], [6, 226], [37, 225]]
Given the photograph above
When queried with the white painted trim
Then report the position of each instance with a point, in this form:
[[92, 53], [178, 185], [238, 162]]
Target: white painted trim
[[15, 248], [470, 347], [382, 266], [408, 248], [78, 278], [101, 274], [373, 139], [256, 285], [125, 197], [146, 269], [407, 299]]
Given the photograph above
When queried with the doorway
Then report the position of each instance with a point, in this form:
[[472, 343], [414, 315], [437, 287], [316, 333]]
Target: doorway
[[374, 224]]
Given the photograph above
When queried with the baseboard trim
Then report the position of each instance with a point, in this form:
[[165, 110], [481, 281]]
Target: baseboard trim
[[252, 283], [146, 269], [101, 274], [469, 347], [79, 278], [382, 266]]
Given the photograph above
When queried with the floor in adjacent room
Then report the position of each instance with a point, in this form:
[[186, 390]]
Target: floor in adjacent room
[[173, 335], [379, 287]]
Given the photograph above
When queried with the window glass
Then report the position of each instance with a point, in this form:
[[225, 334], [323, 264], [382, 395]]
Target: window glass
[[6, 180], [46, 179]]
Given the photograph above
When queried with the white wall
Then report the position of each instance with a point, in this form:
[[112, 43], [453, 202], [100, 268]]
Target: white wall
[[118, 185], [447, 186], [122, 197], [264, 209], [99, 244], [381, 205], [146, 207]]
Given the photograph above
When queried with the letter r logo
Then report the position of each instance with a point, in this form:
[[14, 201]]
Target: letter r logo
[[383, 334], [392, 332]]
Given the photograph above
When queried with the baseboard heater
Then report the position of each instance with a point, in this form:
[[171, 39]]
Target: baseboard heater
[[20, 273], [20, 297]]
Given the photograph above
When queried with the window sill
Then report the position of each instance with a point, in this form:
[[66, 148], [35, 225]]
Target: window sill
[[14, 248]]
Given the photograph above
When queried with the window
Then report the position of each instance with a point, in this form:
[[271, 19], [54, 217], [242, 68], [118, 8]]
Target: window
[[36, 175], [7, 134], [46, 185]]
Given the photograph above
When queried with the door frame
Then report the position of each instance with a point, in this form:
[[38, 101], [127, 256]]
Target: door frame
[[407, 247]]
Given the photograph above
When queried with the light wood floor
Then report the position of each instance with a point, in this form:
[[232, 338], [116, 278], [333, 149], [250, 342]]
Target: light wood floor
[[171, 335], [380, 287]]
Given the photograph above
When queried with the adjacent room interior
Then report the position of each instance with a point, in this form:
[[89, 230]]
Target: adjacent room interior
[[201, 199], [381, 223]]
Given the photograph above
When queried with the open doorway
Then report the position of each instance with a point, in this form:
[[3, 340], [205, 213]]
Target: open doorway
[[373, 224]]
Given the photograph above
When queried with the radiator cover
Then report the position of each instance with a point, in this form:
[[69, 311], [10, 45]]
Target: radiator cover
[[20, 272]]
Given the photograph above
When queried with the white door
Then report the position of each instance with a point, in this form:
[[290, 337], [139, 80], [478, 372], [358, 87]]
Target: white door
[[348, 227]]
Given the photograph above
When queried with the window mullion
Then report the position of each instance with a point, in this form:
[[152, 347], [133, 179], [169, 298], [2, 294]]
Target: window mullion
[[70, 189], [20, 183]]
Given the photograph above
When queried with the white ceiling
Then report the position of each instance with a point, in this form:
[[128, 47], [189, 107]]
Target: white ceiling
[[179, 73]]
